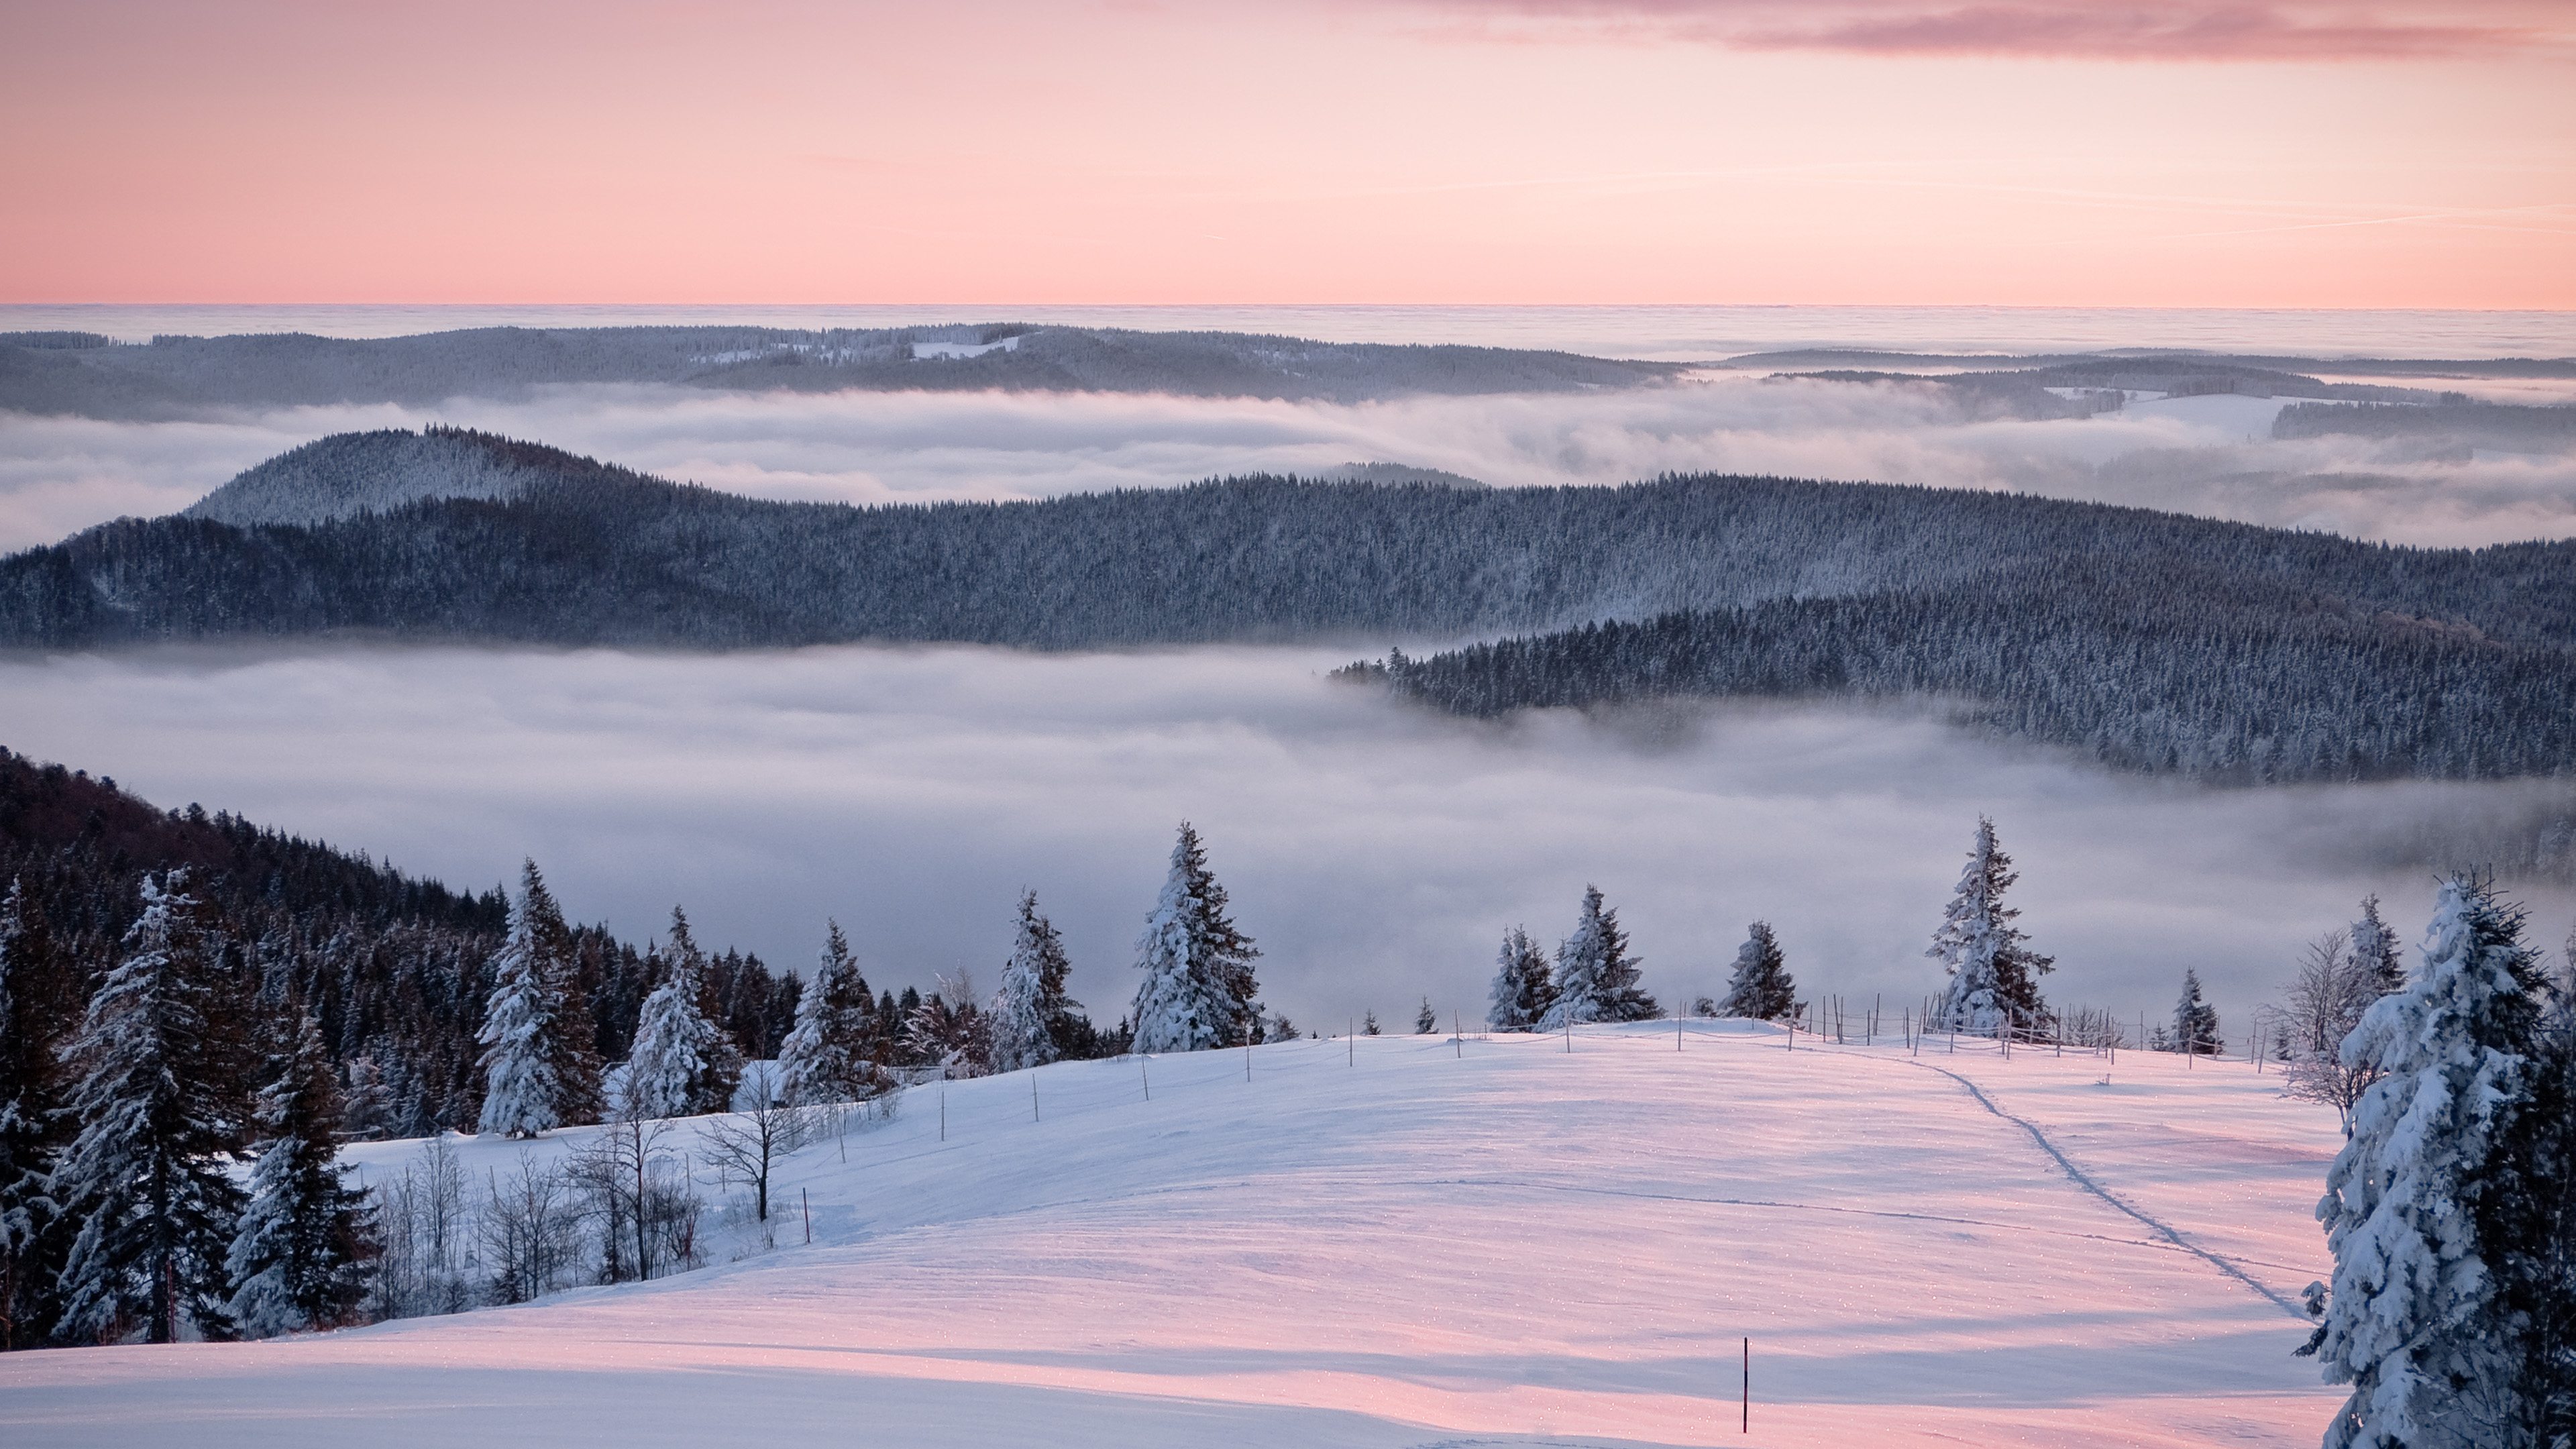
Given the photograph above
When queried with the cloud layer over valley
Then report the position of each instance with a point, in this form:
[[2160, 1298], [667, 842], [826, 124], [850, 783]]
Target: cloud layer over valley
[[2210, 456], [1376, 851]]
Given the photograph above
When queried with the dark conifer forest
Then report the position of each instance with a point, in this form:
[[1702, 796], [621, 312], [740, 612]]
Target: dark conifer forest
[[2152, 641]]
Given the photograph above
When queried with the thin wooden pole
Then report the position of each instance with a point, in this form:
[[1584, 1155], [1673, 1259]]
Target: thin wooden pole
[[943, 1111], [1146, 1077], [1457, 1033], [1351, 1040], [1033, 1096], [1748, 1385], [807, 1198]]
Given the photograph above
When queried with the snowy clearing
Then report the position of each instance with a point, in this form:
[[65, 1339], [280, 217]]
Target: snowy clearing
[[1398, 1241]]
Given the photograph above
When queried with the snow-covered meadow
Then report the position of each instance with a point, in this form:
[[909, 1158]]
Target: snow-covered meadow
[[1396, 1241]]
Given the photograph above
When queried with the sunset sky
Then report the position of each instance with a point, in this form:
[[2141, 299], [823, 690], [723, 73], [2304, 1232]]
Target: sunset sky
[[2034, 152]]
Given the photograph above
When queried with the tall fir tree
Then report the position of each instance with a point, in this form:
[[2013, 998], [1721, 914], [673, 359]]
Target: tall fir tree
[[161, 1115], [826, 1056], [303, 1252], [684, 1064], [1760, 989], [1596, 978], [1426, 1022], [2195, 1023], [36, 1000], [573, 1044], [1198, 990], [524, 1093], [1994, 977], [1027, 1023], [1524, 984], [2428, 1207], [2375, 947]]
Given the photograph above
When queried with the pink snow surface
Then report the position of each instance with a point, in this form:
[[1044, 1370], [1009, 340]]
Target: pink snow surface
[[1518, 1245]]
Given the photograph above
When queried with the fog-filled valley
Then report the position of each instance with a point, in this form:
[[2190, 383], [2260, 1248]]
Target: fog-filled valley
[[1379, 848]]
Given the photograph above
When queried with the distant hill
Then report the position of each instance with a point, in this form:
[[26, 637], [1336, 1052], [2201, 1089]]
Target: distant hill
[[2160, 642], [85, 375]]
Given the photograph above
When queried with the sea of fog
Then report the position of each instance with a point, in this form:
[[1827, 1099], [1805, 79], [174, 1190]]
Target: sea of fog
[[1376, 852]]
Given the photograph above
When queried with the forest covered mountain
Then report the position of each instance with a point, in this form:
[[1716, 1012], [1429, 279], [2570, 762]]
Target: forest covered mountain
[[2157, 641], [396, 970], [87, 375]]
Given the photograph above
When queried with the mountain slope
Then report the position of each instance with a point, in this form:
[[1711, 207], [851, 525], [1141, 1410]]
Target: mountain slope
[[1406, 1244]]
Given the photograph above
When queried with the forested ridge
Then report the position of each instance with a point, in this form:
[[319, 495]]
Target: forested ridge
[[394, 969], [2156, 641]]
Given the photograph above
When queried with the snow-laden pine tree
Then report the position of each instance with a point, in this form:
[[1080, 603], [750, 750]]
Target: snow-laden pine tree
[[1524, 984], [1596, 978], [1426, 1021], [1760, 989], [300, 1257], [1027, 1024], [825, 1055], [2375, 947], [573, 1044], [1994, 978], [1368, 1023], [2195, 1023], [523, 1094], [684, 1064], [36, 997], [161, 1115], [1198, 990], [2427, 1207]]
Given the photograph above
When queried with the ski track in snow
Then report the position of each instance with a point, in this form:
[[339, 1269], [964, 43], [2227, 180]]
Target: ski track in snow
[[1400, 1243], [2082, 1180]]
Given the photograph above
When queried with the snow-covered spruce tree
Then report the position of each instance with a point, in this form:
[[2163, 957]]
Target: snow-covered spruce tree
[[825, 1055], [36, 997], [1368, 1023], [1027, 1024], [301, 1256], [522, 1095], [1524, 984], [1760, 989], [2428, 1207], [2375, 950], [1198, 990], [573, 1044], [1426, 1021], [161, 1113], [2195, 1023], [1993, 976], [683, 1064], [1596, 978]]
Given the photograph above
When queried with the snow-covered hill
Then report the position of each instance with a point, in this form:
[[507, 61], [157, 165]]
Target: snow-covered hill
[[1403, 1241]]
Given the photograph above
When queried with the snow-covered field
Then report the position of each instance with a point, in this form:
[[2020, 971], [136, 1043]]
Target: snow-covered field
[[1416, 1243]]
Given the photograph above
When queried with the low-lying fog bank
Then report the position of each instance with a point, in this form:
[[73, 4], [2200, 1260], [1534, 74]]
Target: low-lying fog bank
[[2211, 456], [1376, 852]]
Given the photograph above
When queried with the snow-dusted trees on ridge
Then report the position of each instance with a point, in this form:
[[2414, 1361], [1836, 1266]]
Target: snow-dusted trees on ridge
[[36, 999], [685, 1063], [300, 1257], [1596, 978], [1760, 988], [161, 1112], [1524, 984], [1031, 1020], [1994, 978], [1198, 990], [825, 1057], [2430, 1209]]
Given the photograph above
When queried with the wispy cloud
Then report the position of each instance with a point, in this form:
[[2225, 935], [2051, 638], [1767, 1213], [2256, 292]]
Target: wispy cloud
[[2068, 29]]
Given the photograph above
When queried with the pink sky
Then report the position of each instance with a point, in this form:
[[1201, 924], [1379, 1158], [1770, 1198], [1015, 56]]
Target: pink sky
[[1479, 151]]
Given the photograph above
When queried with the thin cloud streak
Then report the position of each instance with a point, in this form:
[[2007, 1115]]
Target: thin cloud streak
[[2064, 29]]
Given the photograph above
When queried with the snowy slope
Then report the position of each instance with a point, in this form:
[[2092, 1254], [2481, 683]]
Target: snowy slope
[[1493, 1241]]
